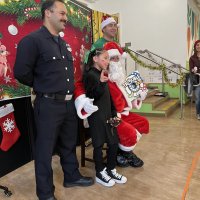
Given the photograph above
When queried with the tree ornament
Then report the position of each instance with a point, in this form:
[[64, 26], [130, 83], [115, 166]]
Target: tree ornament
[[71, 10], [62, 34], [88, 18], [28, 10], [8, 127], [12, 30], [86, 38]]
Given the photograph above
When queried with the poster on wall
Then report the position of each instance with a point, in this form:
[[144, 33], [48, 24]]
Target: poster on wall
[[193, 28], [19, 18]]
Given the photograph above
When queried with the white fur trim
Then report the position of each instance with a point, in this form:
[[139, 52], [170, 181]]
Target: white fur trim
[[79, 104], [123, 148], [6, 109], [125, 112], [107, 21], [113, 52], [130, 148], [124, 55]]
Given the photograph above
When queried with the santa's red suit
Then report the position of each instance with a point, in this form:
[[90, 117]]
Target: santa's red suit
[[132, 125]]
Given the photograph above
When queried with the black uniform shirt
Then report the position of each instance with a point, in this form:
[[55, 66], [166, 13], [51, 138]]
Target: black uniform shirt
[[44, 63]]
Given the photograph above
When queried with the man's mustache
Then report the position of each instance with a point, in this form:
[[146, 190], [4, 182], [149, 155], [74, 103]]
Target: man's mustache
[[65, 21]]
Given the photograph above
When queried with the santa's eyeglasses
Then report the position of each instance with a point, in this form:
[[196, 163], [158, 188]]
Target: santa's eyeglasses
[[115, 58]]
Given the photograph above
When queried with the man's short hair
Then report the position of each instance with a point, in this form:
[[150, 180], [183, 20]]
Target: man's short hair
[[47, 5]]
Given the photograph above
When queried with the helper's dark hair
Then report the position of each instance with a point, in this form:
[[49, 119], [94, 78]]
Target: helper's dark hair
[[47, 5]]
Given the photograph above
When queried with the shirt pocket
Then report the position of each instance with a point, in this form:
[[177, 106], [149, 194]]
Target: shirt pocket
[[49, 57]]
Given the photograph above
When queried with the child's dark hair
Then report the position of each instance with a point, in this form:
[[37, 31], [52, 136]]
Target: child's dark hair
[[89, 64]]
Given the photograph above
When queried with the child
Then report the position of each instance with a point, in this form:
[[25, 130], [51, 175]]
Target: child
[[102, 131]]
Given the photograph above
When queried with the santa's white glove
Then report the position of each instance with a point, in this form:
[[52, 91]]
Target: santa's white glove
[[89, 107], [84, 103], [142, 94], [136, 103]]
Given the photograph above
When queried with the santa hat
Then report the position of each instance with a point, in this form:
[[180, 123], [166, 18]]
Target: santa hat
[[107, 20], [114, 49]]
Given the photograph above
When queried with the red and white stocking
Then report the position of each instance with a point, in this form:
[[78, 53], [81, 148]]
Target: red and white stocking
[[8, 127]]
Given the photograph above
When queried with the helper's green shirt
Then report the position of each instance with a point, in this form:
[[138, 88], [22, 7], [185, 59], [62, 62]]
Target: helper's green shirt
[[99, 43]]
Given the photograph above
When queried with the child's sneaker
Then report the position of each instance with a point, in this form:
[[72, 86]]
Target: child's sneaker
[[104, 179], [118, 178]]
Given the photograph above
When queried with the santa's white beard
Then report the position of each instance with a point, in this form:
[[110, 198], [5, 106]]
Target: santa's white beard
[[116, 73]]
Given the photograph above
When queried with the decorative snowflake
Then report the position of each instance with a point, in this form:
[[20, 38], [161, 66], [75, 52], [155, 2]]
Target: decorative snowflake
[[8, 125], [7, 79]]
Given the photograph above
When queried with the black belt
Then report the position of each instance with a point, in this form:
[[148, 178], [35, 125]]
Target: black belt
[[55, 96]]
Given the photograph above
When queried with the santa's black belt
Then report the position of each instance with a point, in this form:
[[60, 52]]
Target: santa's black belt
[[56, 96]]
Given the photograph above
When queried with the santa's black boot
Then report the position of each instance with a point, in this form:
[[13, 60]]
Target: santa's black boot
[[121, 159], [133, 160]]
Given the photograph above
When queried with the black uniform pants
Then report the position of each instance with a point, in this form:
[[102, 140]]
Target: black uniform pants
[[56, 124], [111, 157]]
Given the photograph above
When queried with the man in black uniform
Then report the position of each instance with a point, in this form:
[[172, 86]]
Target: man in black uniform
[[44, 62]]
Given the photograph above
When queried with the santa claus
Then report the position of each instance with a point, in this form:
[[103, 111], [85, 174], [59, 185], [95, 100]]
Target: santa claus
[[132, 125]]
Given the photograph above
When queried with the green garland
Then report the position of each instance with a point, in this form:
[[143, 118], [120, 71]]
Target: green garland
[[29, 9], [161, 67], [77, 17], [18, 8], [14, 91]]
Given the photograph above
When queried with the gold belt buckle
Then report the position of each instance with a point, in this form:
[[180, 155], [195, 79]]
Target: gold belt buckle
[[68, 97]]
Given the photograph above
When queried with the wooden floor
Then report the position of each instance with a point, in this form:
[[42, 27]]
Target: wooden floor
[[168, 153]]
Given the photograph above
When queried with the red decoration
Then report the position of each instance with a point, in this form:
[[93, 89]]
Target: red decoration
[[73, 36], [8, 127]]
